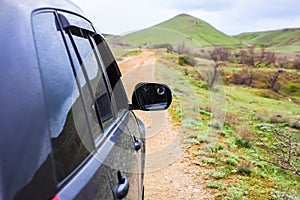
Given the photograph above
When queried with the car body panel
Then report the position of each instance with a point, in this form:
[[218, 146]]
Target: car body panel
[[27, 169]]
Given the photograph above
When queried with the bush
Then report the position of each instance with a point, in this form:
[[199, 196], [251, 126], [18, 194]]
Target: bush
[[242, 143], [244, 169], [187, 60], [231, 162], [234, 193], [166, 46], [217, 175], [216, 185], [241, 78], [293, 87], [297, 62]]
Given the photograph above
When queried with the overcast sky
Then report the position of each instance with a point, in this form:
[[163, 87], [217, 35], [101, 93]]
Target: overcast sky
[[229, 16]]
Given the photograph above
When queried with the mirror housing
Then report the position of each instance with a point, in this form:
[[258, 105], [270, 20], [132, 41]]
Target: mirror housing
[[151, 97]]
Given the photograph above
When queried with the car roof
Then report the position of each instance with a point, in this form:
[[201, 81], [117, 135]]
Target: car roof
[[24, 142]]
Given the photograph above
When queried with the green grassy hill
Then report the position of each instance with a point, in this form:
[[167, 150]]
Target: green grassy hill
[[280, 40], [182, 28]]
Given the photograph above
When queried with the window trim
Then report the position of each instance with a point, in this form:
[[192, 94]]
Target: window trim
[[58, 18], [98, 38], [67, 178], [107, 131]]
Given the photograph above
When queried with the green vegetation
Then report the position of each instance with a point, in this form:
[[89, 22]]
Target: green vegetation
[[186, 60], [254, 152], [132, 53], [245, 157], [198, 30], [192, 31], [285, 40]]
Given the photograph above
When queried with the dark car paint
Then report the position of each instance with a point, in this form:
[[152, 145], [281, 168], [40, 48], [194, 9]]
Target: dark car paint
[[27, 170]]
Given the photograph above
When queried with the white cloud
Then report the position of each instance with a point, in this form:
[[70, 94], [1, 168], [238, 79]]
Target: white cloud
[[123, 16], [190, 5], [229, 16]]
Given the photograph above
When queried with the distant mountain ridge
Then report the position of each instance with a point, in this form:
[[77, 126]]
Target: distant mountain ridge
[[288, 38], [195, 32], [181, 28], [197, 29]]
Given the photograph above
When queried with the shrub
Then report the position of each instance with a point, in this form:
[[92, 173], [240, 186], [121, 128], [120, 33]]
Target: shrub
[[293, 87], [133, 53], [234, 193], [283, 152], [277, 119], [216, 185], [241, 78], [297, 62], [166, 46], [284, 196], [231, 162], [244, 168], [209, 160], [186, 60], [242, 143], [217, 175], [183, 49]]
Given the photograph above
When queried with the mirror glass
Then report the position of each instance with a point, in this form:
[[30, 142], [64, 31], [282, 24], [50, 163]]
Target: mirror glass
[[151, 96]]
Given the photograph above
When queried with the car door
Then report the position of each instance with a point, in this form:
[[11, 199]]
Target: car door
[[86, 133], [114, 145], [71, 127], [129, 123]]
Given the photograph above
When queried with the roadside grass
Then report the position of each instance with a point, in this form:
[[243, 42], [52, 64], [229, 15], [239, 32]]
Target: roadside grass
[[134, 52], [232, 153]]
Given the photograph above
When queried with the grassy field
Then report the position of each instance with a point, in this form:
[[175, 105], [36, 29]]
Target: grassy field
[[233, 149], [285, 40]]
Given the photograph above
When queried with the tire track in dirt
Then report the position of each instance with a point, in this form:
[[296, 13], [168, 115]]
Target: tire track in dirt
[[170, 173]]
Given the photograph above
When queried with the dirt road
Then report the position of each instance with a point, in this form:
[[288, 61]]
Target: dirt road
[[169, 172]]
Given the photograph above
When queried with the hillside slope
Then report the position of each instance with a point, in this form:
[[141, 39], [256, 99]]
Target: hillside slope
[[284, 39], [182, 28]]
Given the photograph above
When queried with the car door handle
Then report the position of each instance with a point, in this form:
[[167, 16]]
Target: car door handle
[[122, 188], [137, 144]]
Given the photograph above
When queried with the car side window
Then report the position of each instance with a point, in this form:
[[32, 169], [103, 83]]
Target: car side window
[[95, 87], [69, 128], [113, 73]]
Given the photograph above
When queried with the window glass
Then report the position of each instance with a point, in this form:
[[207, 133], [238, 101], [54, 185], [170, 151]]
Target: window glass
[[113, 73], [70, 136], [97, 97]]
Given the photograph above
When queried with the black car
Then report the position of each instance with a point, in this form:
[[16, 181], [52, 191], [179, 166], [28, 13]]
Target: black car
[[67, 128]]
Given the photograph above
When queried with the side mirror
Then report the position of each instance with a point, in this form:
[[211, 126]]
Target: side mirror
[[151, 96]]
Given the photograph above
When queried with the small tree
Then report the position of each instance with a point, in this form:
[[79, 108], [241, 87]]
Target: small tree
[[183, 49], [167, 46], [220, 54], [297, 62], [274, 81], [282, 152], [241, 78], [269, 58], [243, 56], [252, 59], [281, 62], [187, 60]]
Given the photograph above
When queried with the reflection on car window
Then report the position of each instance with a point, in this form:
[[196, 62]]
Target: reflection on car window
[[71, 140], [96, 93], [114, 75]]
